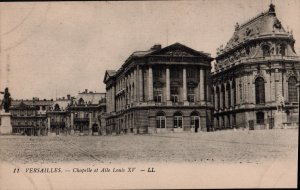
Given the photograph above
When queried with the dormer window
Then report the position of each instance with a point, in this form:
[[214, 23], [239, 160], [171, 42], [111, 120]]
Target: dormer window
[[80, 101], [266, 50]]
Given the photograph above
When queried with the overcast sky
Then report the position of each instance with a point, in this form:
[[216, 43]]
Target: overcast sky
[[51, 49]]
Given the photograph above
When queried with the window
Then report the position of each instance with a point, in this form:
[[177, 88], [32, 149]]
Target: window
[[174, 73], [228, 90], [260, 90], [81, 101], [223, 94], [174, 94], [266, 50], [43, 107], [157, 73], [281, 49], [292, 89], [218, 97], [191, 94], [76, 115], [157, 95], [260, 118], [234, 93], [160, 120], [177, 120], [191, 73], [195, 121]]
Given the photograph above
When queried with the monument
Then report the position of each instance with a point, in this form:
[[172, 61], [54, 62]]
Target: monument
[[5, 116]]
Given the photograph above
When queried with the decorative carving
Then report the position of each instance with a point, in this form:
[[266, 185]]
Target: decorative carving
[[236, 27], [249, 32], [277, 24], [178, 52]]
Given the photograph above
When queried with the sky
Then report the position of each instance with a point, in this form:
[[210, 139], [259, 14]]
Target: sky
[[51, 49]]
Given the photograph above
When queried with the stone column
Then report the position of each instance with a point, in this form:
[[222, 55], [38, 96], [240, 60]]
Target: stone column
[[184, 87], [201, 85], [150, 85], [168, 98], [48, 125], [141, 84]]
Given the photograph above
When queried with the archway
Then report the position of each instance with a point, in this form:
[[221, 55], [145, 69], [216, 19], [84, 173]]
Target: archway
[[195, 121], [95, 128]]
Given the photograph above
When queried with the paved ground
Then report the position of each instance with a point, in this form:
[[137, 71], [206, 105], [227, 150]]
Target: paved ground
[[222, 146]]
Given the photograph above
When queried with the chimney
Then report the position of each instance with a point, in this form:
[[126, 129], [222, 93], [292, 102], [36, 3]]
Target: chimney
[[156, 47], [68, 96]]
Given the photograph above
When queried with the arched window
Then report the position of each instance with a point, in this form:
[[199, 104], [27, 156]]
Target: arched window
[[234, 92], [177, 120], [223, 96], [266, 50], [281, 49], [292, 88], [160, 120], [56, 107], [81, 101], [218, 97], [213, 97], [228, 91], [260, 118], [260, 90]]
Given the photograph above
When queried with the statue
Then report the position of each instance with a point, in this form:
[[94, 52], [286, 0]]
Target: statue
[[281, 103], [6, 102]]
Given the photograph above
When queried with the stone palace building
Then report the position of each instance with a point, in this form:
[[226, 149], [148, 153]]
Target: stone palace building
[[160, 90], [256, 71]]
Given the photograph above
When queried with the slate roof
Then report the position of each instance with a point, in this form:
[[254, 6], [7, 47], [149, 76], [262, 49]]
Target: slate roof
[[264, 24]]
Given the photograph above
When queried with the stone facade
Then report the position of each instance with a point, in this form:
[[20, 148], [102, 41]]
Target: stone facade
[[29, 117], [255, 73], [79, 115], [85, 112], [160, 90]]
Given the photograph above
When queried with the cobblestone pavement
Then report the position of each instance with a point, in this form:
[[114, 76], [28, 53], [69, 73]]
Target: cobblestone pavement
[[221, 146]]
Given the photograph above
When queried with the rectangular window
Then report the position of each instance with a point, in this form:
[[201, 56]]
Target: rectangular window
[[191, 98], [157, 95], [157, 73], [174, 73], [190, 73], [191, 94], [174, 98]]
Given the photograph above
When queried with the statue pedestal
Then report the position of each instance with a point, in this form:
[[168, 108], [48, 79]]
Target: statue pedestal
[[280, 118], [5, 123]]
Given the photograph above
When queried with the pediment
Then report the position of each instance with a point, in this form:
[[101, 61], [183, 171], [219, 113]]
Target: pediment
[[178, 50]]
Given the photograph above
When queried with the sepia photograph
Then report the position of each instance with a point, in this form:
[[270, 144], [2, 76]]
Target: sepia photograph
[[149, 94]]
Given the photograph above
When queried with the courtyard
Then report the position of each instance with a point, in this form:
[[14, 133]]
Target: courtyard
[[222, 146]]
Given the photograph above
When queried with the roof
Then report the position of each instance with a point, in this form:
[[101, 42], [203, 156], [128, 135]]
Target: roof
[[91, 97], [111, 72], [264, 24], [32, 102], [174, 50]]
